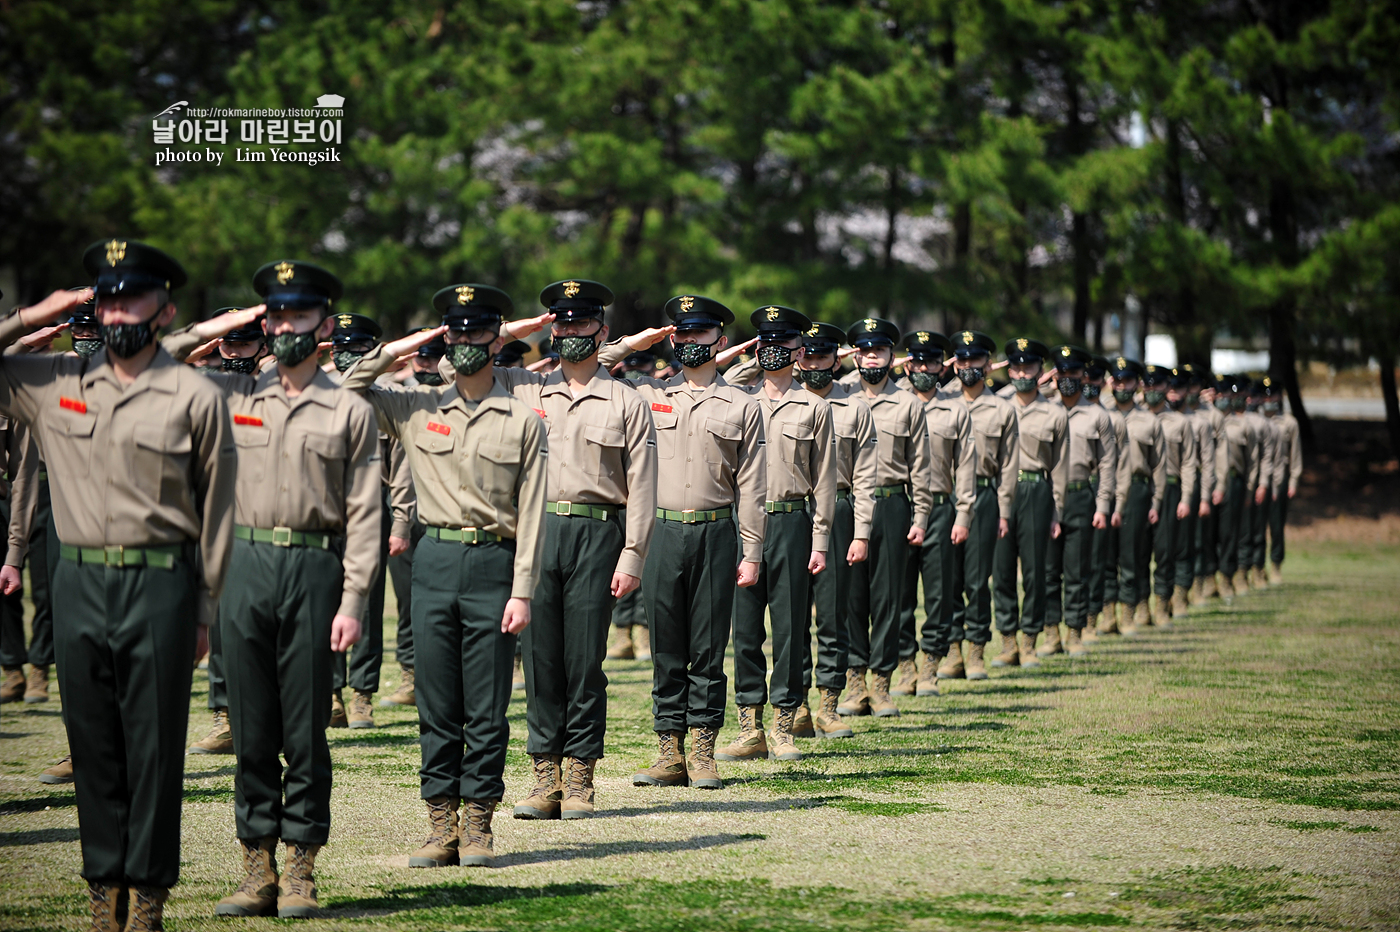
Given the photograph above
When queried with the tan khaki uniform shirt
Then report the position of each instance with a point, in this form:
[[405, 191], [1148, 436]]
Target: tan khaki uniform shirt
[[21, 486], [1092, 450], [709, 449], [1268, 447], [995, 431], [144, 465], [952, 455], [1237, 451], [1179, 448], [1204, 428], [603, 445], [1041, 430], [476, 464], [902, 456], [1288, 464], [1142, 455]]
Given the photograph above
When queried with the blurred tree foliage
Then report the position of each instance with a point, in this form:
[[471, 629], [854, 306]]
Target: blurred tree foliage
[[1008, 164]]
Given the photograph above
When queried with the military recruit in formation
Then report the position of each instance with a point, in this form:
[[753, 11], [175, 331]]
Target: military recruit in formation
[[223, 496]]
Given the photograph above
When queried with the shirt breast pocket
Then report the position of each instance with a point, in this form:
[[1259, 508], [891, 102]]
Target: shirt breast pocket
[[498, 466], [605, 446], [723, 442], [71, 441], [252, 445], [666, 432], [796, 447], [895, 438], [942, 438], [326, 458], [162, 460]]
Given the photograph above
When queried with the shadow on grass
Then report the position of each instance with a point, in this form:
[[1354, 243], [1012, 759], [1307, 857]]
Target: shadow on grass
[[462, 896], [593, 850], [226, 771], [38, 836], [37, 804], [729, 805]]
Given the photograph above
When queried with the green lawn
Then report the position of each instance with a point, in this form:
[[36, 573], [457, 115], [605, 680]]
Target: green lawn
[[1241, 771]]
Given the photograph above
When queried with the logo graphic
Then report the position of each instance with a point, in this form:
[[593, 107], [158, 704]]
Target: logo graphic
[[687, 303], [773, 313], [284, 272], [815, 330], [1064, 351], [174, 108], [870, 325], [465, 294], [345, 320], [330, 100], [1122, 363], [116, 251], [570, 289]]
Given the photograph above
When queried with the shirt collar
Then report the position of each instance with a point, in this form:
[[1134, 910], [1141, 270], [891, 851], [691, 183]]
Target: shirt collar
[[161, 375]]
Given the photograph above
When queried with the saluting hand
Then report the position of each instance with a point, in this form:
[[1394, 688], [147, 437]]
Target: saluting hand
[[409, 344], [53, 307], [523, 328], [345, 631], [41, 339], [734, 352], [216, 327], [646, 339]]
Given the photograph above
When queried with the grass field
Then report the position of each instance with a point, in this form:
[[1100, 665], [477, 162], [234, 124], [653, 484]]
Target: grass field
[[1241, 771]]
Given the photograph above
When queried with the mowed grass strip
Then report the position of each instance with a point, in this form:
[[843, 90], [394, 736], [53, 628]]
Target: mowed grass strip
[[1277, 714]]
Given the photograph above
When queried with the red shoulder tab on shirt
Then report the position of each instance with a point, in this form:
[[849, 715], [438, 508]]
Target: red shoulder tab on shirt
[[437, 428], [72, 404], [247, 421], [539, 411], [657, 406]]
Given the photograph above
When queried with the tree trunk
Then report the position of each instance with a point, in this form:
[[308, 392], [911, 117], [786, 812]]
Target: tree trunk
[[891, 232], [1083, 275], [1392, 402]]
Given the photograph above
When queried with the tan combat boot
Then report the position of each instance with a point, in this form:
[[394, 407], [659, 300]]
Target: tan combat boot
[[751, 743], [405, 694], [61, 772], [621, 647], [1108, 622], [1128, 628], [1276, 574], [906, 678], [296, 890], [12, 687], [1241, 582], [802, 726], [146, 908], [220, 737], [1256, 578], [108, 904], [36, 689], [361, 709], [976, 668], [881, 705], [669, 769], [928, 676], [257, 894], [780, 743], [475, 846], [1210, 587], [338, 719], [828, 721], [548, 791], [578, 788], [1051, 645], [1010, 655], [704, 774], [1181, 602], [1027, 649], [1074, 643], [517, 675], [641, 642], [857, 700], [1142, 616], [951, 667], [1090, 635], [440, 848]]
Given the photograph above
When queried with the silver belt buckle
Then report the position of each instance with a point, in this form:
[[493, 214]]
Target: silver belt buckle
[[281, 537]]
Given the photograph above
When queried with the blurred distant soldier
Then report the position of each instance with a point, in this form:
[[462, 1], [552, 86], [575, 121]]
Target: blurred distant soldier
[[1164, 391], [1288, 469], [1263, 494], [1103, 570], [1141, 481], [1236, 473]]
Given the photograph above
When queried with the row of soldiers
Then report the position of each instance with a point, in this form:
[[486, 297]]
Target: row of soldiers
[[257, 499]]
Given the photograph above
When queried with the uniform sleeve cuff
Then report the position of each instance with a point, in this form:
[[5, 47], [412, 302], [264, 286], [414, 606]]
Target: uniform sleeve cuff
[[963, 519], [207, 608], [523, 588], [16, 555], [862, 532], [821, 543], [353, 604], [753, 553], [920, 519], [630, 563], [1005, 514], [401, 529]]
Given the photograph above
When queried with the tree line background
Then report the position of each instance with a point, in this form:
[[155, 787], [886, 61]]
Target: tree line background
[[1018, 166]]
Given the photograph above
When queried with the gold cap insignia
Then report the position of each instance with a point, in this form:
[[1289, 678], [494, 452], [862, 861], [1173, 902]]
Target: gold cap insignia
[[814, 330], [1268, 382], [1022, 343], [773, 313], [570, 289], [870, 325], [344, 320], [967, 337], [465, 294], [116, 251], [1122, 363], [687, 303], [923, 337], [285, 271], [1064, 351]]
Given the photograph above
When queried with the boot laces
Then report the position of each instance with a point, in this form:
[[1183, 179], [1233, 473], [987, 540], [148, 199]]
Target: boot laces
[[704, 743], [477, 828], [578, 779], [145, 908], [443, 819], [669, 748], [545, 780], [253, 879], [298, 874]]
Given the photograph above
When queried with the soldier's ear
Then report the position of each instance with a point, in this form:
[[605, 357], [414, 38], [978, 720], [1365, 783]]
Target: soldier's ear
[[167, 314], [603, 334], [326, 328], [723, 342]]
